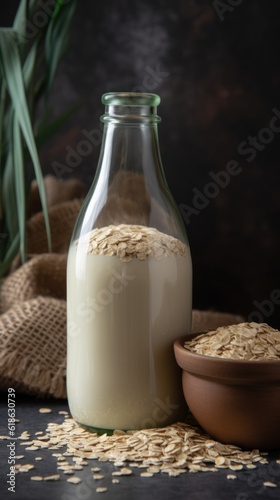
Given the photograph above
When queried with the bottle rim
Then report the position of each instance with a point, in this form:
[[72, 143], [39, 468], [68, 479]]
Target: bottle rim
[[130, 99]]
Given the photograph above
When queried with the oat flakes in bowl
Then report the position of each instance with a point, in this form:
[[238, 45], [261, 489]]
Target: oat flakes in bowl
[[231, 383]]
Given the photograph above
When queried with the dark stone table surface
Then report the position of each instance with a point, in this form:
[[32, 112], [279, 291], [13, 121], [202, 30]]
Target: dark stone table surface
[[199, 486]]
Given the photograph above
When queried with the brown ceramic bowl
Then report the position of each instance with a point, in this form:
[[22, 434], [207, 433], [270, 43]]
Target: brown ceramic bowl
[[235, 401]]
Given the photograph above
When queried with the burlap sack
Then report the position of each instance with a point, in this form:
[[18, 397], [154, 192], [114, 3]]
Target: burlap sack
[[33, 302]]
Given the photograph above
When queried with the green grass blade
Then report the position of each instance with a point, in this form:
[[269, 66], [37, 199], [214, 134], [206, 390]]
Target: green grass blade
[[29, 64], [3, 159], [9, 197], [2, 117], [47, 131], [8, 187], [57, 9], [18, 168], [19, 24], [32, 6], [10, 67], [57, 36]]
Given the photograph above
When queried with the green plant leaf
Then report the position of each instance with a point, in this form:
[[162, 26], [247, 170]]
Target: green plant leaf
[[19, 179], [9, 197], [29, 64], [2, 119], [32, 5], [44, 133], [58, 6], [57, 36], [29, 56], [19, 24], [8, 191], [10, 67]]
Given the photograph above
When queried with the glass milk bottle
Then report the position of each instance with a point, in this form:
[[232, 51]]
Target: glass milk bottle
[[129, 280]]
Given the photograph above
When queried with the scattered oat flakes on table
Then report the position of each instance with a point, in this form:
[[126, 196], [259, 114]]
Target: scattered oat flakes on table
[[97, 476], [74, 480], [269, 484], [146, 474], [54, 477], [101, 489], [173, 450]]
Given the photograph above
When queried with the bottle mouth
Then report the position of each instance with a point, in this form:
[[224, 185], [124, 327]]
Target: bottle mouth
[[130, 99], [130, 107]]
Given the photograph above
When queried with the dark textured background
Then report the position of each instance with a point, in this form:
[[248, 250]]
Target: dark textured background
[[219, 81]]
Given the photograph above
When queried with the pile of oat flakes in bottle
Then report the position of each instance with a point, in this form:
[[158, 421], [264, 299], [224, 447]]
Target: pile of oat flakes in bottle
[[129, 241]]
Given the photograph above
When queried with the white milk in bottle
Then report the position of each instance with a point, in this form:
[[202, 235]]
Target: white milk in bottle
[[129, 280]]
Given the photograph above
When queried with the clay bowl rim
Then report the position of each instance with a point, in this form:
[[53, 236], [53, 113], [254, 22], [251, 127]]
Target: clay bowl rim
[[230, 371]]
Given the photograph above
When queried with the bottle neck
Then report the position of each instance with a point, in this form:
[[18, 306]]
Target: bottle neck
[[130, 147], [129, 185], [130, 139]]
